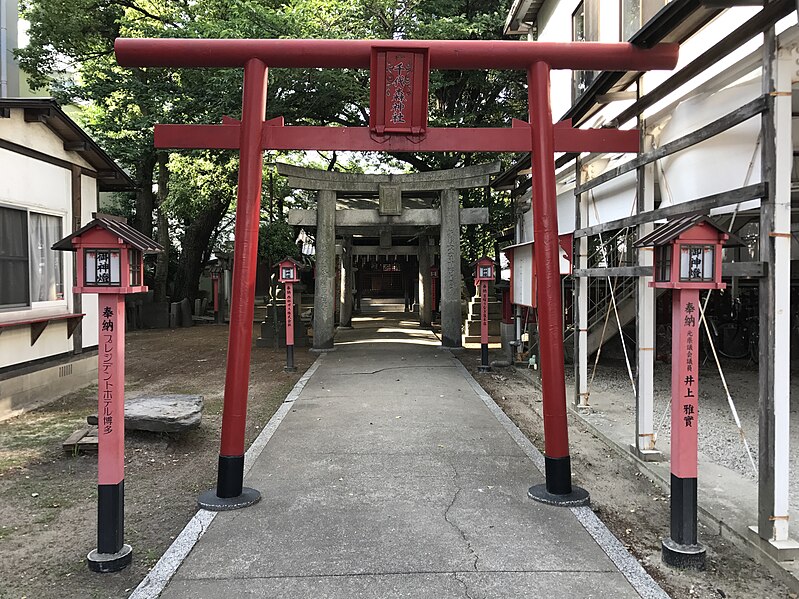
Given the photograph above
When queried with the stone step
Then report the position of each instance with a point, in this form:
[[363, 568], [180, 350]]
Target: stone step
[[473, 327]]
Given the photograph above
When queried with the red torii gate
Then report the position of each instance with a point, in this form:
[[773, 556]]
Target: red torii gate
[[399, 71]]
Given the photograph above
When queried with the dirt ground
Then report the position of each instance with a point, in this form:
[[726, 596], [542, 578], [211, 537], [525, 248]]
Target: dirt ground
[[632, 506], [48, 499]]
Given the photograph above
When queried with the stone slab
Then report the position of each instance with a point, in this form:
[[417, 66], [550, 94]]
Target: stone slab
[[163, 413]]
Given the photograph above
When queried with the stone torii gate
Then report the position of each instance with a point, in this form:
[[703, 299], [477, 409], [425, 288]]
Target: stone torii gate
[[399, 76], [389, 218]]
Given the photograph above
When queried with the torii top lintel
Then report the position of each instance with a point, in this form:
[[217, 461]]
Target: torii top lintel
[[444, 54], [399, 73]]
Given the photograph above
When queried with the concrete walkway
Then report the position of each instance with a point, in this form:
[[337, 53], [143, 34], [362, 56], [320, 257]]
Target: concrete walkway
[[391, 476]]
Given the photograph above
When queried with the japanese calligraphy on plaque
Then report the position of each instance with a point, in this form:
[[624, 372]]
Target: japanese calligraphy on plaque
[[399, 89]]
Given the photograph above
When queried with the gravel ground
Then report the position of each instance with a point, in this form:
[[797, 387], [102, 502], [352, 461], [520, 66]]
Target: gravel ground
[[719, 439]]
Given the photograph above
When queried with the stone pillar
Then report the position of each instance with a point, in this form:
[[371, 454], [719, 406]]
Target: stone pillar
[[323, 313], [345, 318], [450, 303], [425, 306]]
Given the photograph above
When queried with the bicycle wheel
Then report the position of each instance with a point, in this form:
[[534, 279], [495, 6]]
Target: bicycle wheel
[[733, 341]]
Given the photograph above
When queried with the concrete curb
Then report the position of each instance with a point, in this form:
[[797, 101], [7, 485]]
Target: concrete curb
[[160, 575], [629, 567]]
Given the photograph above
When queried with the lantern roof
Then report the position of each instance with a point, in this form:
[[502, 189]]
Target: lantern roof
[[483, 260], [668, 232], [288, 259], [117, 226]]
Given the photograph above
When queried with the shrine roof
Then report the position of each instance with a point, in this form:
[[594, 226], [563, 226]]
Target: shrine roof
[[117, 227], [668, 232]]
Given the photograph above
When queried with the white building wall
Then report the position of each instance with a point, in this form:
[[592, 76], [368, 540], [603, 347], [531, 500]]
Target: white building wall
[[30, 184], [88, 207], [717, 165], [37, 136]]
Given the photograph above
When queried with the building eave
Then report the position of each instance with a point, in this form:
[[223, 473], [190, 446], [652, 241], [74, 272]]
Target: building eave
[[110, 176]]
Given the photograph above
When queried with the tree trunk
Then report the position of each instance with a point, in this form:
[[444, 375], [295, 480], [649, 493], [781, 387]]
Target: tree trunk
[[160, 291], [145, 198], [193, 250]]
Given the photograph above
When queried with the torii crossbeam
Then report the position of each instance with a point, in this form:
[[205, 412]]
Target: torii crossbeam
[[398, 123]]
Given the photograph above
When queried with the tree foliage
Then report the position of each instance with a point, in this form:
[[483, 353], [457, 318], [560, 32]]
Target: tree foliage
[[71, 53]]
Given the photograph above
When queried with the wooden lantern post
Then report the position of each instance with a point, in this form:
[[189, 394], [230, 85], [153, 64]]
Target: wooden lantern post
[[687, 259], [483, 273], [216, 273], [110, 264], [433, 289], [288, 274]]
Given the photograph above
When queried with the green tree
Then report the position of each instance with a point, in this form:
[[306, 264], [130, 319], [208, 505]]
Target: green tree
[[71, 52]]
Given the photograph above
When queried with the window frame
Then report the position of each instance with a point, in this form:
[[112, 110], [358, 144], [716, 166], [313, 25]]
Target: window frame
[[35, 305], [582, 76]]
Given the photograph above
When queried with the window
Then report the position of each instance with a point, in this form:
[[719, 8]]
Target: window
[[134, 265], [14, 278], [663, 258], [634, 13], [29, 270], [585, 28], [47, 281]]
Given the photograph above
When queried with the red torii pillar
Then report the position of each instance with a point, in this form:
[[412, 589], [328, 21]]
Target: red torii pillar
[[253, 134]]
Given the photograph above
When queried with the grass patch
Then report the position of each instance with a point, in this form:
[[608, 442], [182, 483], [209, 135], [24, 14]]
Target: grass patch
[[32, 436]]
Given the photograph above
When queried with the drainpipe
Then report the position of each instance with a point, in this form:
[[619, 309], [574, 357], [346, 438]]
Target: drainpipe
[[3, 49]]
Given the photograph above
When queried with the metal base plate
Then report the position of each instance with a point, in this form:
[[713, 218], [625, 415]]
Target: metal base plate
[[210, 501], [289, 369], [109, 562], [683, 556], [482, 368], [577, 497]]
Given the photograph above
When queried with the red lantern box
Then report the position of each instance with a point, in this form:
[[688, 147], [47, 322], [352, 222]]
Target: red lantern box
[[484, 269], [288, 271], [688, 253], [110, 256]]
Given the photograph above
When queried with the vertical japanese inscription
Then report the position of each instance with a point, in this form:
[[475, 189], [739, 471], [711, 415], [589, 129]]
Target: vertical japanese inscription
[[106, 420], [289, 313], [483, 311], [399, 88], [685, 382]]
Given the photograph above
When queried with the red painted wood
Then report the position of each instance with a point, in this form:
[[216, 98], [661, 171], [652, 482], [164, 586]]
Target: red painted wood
[[444, 54], [248, 206], [483, 311], [111, 389], [684, 382], [547, 261], [289, 313], [497, 139], [398, 91]]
